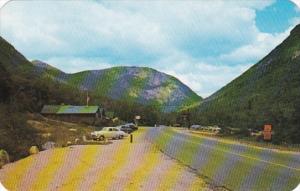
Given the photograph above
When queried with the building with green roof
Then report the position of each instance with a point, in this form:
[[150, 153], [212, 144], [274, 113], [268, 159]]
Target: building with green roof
[[75, 114]]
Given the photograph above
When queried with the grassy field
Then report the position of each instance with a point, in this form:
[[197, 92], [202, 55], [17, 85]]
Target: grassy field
[[58, 131], [235, 166]]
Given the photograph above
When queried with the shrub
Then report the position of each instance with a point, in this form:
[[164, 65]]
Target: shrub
[[34, 150], [16, 136], [4, 157]]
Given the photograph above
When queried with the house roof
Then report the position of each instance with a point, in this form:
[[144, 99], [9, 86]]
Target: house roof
[[69, 109]]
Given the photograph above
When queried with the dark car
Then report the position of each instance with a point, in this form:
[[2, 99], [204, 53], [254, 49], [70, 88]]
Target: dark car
[[132, 125], [126, 129]]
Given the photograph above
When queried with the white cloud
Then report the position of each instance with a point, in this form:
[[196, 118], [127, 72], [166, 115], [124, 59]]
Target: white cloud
[[297, 2], [77, 64], [47, 27], [205, 44], [2, 3], [263, 44], [41, 28], [206, 78]]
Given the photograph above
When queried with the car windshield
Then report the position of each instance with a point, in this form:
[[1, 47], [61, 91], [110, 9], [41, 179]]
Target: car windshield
[[107, 129]]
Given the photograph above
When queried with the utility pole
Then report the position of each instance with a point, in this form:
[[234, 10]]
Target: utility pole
[[87, 98], [186, 118]]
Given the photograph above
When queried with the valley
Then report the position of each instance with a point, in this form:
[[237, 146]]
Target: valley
[[64, 131]]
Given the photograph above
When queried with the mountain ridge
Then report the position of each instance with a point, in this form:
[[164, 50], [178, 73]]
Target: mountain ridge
[[143, 85], [267, 93]]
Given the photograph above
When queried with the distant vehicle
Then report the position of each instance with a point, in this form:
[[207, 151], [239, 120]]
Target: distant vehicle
[[120, 132], [215, 129], [196, 127], [125, 129], [132, 126], [256, 133], [106, 133]]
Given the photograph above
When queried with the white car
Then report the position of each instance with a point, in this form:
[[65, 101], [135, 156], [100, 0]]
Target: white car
[[108, 133], [121, 133], [196, 127], [105, 133]]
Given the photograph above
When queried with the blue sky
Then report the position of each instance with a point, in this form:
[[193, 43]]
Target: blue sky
[[205, 44]]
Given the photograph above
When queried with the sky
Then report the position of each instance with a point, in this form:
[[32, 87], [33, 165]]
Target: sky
[[205, 43]]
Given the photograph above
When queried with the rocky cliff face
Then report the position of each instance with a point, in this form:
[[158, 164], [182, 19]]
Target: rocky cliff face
[[139, 84]]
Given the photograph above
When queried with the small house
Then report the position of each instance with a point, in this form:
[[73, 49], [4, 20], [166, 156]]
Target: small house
[[75, 114]]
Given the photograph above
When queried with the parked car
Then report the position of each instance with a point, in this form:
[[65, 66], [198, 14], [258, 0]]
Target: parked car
[[256, 133], [196, 127], [105, 133], [132, 126], [126, 129], [120, 132], [216, 129]]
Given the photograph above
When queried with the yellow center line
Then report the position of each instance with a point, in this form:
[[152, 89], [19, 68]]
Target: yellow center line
[[88, 158], [150, 161], [46, 175]]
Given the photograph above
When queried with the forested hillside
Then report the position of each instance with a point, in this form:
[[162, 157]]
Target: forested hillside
[[268, 93], [23, 92], [139, 85]]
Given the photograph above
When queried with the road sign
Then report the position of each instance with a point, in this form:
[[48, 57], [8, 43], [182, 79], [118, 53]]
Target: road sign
[[267, 132], [138, 117], [268, 128], [267, 136]]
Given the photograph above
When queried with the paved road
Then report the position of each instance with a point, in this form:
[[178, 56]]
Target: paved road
[[231, 164], [117, 166]]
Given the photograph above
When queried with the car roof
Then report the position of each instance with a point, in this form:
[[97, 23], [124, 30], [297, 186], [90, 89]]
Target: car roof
[[107, 127]]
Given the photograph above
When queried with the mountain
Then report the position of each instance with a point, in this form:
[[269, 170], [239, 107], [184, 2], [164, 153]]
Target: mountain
[[269, 92], [15, 91], [23, 92], [134, 84], [13, 63], [15, 71], [141, 85]]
